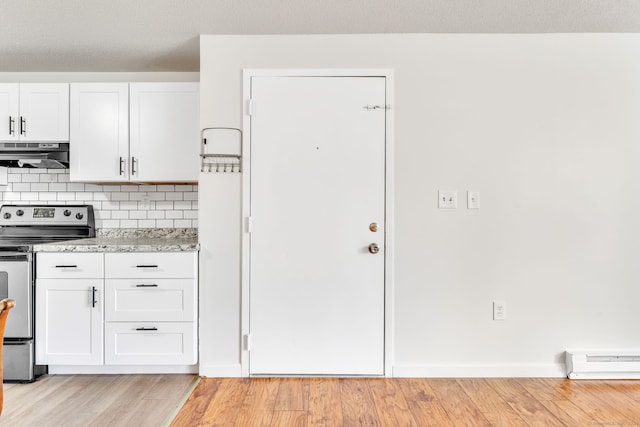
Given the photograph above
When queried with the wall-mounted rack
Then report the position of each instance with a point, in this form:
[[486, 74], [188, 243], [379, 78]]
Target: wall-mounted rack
[[221, 150]]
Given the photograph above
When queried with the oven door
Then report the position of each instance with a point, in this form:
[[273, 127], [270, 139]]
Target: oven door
[[16, 282]]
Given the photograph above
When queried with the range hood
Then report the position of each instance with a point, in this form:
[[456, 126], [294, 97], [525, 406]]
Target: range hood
[[48, 155]]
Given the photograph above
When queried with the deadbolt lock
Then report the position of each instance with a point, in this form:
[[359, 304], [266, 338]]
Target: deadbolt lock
[[374, 227], [374, 248]]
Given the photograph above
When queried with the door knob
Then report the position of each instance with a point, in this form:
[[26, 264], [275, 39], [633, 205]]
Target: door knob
[[374, 248], [374, 227]]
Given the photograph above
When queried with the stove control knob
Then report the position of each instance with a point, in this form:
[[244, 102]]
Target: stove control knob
[[66, 212], [6, 215], [79, 215], [19, 212]]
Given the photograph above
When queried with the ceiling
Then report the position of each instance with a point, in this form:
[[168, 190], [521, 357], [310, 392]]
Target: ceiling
[[162, 35]]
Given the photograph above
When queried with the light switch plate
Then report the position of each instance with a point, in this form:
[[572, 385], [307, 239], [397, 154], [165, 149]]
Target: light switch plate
[[447, 199], [473, 200]]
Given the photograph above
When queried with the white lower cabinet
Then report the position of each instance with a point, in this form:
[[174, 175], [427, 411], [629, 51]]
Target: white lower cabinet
[[69, 322], [141, 310]]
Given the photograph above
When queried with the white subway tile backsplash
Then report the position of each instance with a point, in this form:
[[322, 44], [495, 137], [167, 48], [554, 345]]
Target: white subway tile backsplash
[[158, 214], [138, 215], [74, 186], [21, 187], [190, 214], [30, 178], [173, 196], [84, 196], [119, 214], [182, 205], [40, 187], [128, 206], [66, 196], [46, 196], [115, 206], [119, 196], [57, 187], [174, 214]]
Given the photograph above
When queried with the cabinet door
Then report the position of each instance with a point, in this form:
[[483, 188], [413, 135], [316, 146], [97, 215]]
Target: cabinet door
[[165, 132], [44, 111], [69, 321], [99, 134], [9, 111]]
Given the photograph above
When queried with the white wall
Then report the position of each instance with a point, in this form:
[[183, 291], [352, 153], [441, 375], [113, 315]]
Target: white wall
[[546, 127]]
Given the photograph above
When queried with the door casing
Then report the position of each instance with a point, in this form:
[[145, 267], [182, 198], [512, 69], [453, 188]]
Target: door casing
[[246, 199]]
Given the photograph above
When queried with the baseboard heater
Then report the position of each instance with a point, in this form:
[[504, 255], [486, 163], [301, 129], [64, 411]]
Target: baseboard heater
[[603, 364]]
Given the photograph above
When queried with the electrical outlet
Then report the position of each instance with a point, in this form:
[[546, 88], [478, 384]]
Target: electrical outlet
[[447, 199], [144, 203], [473, 200], [499, 310]]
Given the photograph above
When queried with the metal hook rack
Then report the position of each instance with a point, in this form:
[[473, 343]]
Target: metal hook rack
[[223, 153]]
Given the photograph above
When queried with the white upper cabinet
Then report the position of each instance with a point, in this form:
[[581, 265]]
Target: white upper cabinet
[[34, 112], [135, 132], [99, 144], [165, 136], [9, 112]]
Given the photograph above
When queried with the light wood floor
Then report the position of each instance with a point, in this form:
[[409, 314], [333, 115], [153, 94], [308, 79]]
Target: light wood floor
[[96, 400], [411, 402]]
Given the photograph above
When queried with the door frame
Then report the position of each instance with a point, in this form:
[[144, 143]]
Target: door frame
[[247, 75]]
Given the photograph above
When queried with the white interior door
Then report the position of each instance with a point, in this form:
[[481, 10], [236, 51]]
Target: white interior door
[[317, 184]]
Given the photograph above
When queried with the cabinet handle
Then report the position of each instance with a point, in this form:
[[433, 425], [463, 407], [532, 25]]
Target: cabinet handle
[[93, 296], [142, 285], [23, 126], [133, 166], [147, 329], [146, 266], [12, 126], [121, 165], [66, 266]]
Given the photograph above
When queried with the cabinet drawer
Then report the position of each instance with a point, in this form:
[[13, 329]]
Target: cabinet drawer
[[150, 300], [164, 265], [69, 265], [150, 343]]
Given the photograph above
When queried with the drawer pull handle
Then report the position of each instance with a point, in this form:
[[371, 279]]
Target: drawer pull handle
[[142, 285], [146, 266], [93, 296], [147, 329], [66, 266]]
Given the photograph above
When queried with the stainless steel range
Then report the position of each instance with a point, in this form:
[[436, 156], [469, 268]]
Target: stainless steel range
[[21, 227]]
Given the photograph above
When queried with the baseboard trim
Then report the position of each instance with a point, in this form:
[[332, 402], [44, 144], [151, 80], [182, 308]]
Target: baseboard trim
[[123, 369], [481, 371], [211, 370]]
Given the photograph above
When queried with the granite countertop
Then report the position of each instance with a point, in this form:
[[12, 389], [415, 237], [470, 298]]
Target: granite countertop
[[130, 240]]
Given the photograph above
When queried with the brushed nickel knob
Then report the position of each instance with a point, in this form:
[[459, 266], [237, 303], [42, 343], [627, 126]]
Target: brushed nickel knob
[[374, 248]]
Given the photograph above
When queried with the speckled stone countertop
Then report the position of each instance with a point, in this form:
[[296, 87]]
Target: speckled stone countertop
[[130, 240]]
